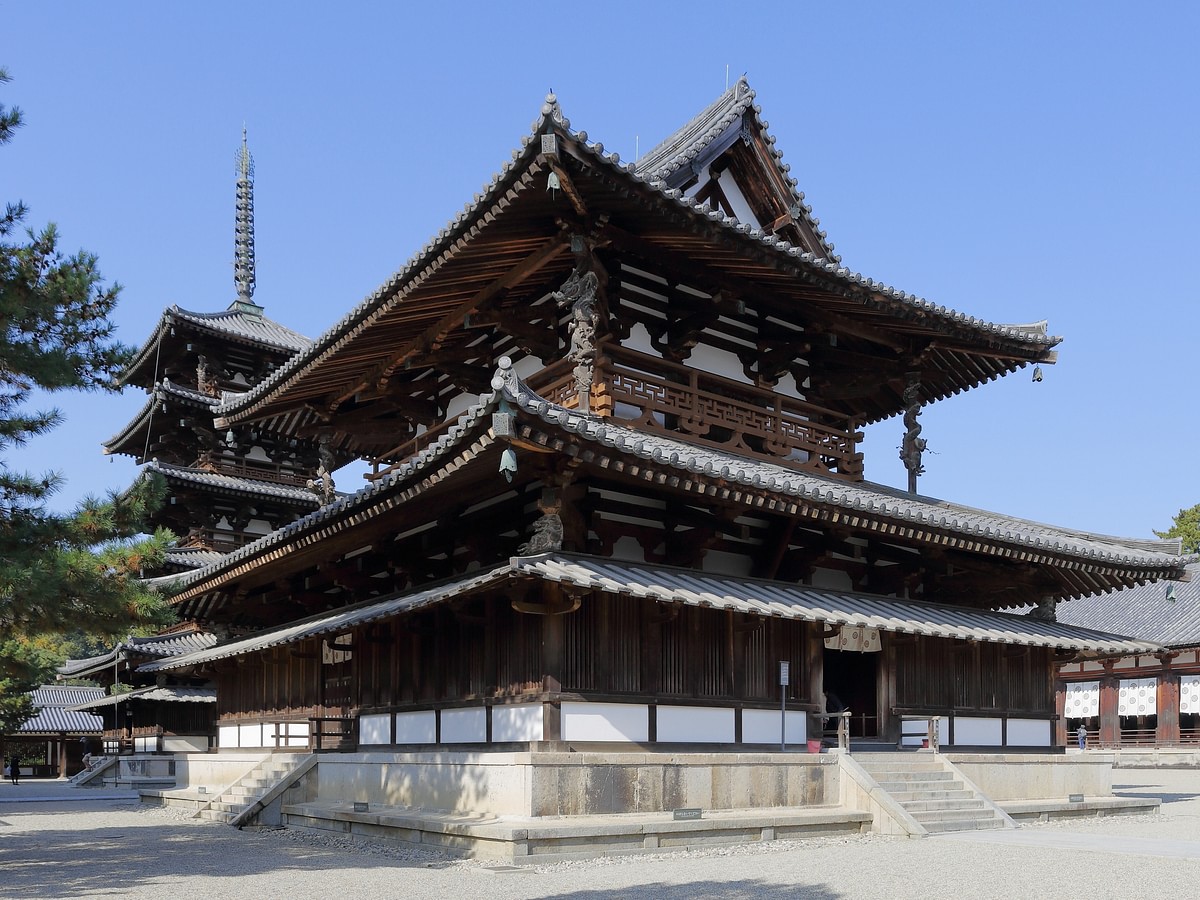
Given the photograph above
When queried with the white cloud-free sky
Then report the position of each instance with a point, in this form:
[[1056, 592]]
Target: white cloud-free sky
[[1013, 161]]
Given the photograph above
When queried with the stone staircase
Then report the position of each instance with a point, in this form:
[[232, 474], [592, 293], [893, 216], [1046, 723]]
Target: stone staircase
[[933, 792], [230, 805]]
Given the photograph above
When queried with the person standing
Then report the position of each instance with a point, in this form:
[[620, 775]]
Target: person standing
[[1081, 735], [14, 770]]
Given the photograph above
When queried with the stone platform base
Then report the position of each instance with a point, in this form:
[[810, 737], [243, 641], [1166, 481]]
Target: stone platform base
[[530, 840], [1091, 807]]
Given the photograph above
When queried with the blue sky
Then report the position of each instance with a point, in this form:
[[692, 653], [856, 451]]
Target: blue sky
[[1014, 161]]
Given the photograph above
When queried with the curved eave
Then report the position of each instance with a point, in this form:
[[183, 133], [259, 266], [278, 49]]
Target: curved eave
[[1109, 562], [473, 251], [141, 370], [131, 440], [233, 486]]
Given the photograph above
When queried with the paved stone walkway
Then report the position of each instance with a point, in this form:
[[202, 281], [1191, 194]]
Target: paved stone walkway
[[52, 847]]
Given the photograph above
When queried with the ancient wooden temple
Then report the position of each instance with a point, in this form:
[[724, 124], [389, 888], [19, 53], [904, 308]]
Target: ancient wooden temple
[[613, 412]]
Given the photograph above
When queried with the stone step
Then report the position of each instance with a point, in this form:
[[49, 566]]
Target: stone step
[[963, 825], [910, 796], [964, 803], [899, 765], [951, 815], [942, 784], [906, 775], [228, 807], [898, 774], [214, 815]]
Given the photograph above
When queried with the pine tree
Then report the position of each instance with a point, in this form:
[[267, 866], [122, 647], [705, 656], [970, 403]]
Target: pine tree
[[1185, 525], [59, 573]]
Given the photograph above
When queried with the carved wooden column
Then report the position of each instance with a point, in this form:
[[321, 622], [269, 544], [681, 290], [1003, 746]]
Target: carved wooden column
[[913, 445]]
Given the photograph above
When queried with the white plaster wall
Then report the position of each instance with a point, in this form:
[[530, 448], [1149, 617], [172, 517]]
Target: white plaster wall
[[677, 724], [528, 366], [639, 339], [227, 736], [761, 726], [978, 731], [914, 732], [185, 743], [250, 735], [416, 727], [517, 722], [831, 579], [1029, 733], [721, 563], [459, 405], [712, 361], [605, 722], [628, 549], [464, 726], [737, 200], [375, 729]]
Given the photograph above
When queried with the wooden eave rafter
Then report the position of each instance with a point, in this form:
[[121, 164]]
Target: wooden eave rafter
[[1076, 576]]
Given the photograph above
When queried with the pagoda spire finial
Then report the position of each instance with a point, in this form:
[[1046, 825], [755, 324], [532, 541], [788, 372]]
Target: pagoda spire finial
[[243, 260]]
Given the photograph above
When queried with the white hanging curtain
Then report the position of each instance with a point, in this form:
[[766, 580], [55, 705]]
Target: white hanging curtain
[[1083, 700], [860, 640], [1138, 697], [1189, 694]]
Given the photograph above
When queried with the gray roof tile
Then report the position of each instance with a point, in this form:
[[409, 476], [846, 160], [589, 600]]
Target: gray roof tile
[[390, 292], [651, 582], [865, 497], [1166, 612], [234, 484]]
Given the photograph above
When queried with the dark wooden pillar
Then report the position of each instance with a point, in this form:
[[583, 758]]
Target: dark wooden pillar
[[814, 669], [1167, 733], [887, 689], [1060, 710], [552, 663], [1110, 719]]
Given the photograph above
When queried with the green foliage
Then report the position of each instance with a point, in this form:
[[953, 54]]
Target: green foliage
[[1185, 525], [59, 574]]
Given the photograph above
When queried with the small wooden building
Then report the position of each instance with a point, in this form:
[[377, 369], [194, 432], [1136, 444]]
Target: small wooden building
[[613, 412], [59, 731], [1136, 700]]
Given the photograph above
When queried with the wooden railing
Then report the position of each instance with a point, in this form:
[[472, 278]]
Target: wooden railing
[[221, 466], [923, 728], [658, 396], [333, 733]]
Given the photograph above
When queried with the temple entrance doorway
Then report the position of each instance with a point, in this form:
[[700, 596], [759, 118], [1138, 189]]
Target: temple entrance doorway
[[851, 682]]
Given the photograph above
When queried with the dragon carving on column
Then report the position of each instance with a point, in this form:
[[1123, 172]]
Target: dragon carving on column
[[913, 445], [578, 295]]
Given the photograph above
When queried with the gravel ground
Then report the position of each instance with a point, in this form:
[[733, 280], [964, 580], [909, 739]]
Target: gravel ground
[[118, 848]]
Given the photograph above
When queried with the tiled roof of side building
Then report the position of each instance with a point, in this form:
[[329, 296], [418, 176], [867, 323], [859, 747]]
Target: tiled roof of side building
[[63, 695], [157, 646], [688, 142], [56, 720], [53, 715], [1167, 612]]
